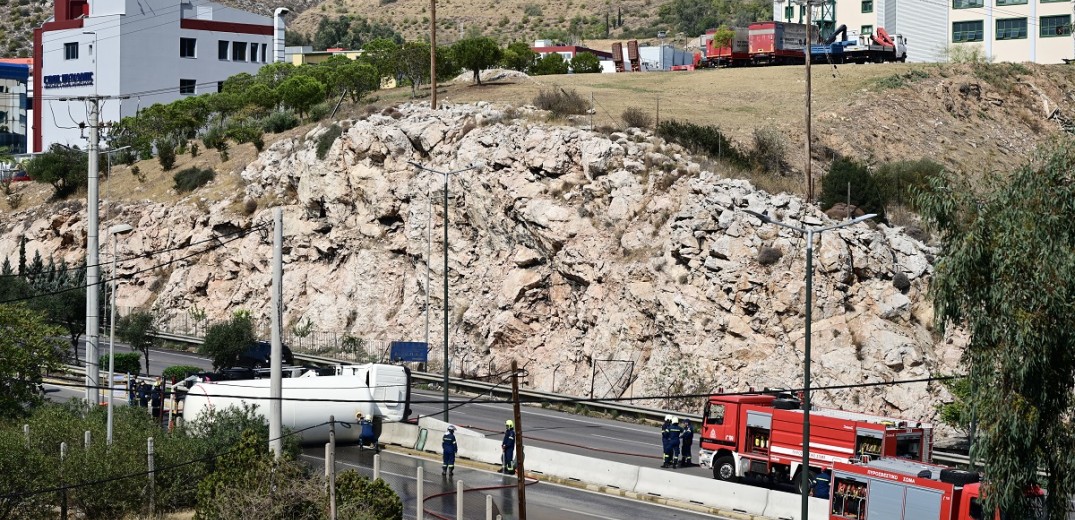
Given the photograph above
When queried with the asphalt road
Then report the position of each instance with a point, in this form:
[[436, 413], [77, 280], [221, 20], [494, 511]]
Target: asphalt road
[[543, 500]]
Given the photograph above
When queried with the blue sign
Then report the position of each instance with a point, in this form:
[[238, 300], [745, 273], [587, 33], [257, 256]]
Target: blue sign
[[74, 79], [409, 351]]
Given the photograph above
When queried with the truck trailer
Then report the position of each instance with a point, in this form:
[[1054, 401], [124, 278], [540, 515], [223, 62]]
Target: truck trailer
[[779, 42], [379, 392], [735, 54], [760, 434]]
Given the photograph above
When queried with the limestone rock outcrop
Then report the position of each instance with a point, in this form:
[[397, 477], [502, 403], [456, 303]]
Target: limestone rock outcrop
[[565, 249]]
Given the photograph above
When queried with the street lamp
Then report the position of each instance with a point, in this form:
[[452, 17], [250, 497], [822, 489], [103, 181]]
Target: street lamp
[[118, 229], [446, 175], [809, 232]]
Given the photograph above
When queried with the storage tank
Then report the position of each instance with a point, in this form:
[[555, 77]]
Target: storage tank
[[381, 392]]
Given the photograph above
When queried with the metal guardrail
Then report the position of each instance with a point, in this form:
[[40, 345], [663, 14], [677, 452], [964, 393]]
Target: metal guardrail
[[482, 387]]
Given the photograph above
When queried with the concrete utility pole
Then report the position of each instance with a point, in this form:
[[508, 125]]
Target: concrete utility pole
[[433, 61], [93, 270], [809, 133], [276, 431], [521, 473]]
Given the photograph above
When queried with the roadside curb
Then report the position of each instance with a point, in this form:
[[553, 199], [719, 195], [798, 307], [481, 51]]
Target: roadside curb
[[578, 484]]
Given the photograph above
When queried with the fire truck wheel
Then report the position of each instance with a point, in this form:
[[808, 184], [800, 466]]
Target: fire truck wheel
[[798, 480], [724, 469], [959, 477]]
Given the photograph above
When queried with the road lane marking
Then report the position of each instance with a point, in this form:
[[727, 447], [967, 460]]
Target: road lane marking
[[586, 514]]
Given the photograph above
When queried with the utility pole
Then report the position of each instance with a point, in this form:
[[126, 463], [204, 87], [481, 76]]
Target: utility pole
[[433, 67], [521, 473], [809, 135], [276, 441], [93, 269]]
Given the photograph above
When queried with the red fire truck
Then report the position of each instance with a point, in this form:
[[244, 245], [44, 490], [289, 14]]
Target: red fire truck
[[761, 435], [898, 489]]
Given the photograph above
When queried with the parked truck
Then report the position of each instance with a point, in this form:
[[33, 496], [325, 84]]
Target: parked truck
[[379, 392], [897, 489], [736, 53], [778, 42], [760, 434], [863, 48]]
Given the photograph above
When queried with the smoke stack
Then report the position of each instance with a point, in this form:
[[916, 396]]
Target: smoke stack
[[278, 33]]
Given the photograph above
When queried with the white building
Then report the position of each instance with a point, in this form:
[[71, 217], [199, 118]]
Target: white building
[[149, 51], [1001, 30]]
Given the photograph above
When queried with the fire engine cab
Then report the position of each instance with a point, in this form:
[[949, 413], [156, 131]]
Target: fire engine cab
[[761, 435]]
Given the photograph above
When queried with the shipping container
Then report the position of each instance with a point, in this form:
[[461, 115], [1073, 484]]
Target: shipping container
[[777, 42]]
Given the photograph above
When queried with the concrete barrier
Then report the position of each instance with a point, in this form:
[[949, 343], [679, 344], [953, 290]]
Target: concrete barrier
[[702, 490], [402, 434], [584, 469], [782, 505]]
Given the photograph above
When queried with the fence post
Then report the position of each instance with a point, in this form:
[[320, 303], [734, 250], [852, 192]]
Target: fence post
[[376, 467], [152, 480], [332, 467], [26, 434], [488, 507], [63, 486], [459, 498], [420, 507], [86, 439]]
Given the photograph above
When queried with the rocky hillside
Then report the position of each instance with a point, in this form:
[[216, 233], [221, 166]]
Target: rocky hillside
[[566, 249]]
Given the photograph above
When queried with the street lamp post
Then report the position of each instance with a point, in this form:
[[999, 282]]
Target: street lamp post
[[446, 175], [118, 229], [809, 232]]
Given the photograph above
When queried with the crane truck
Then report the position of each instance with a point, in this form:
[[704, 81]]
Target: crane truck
[[760, 434], [873, 48], [380, 392]]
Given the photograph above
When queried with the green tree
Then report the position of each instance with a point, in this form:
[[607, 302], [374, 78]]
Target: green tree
[[301, 92], [1006, 275], [957, 413], [358, 79], [519, 56], [552, 63], [28, 349], [865, 193], [585, 63], [138, 331], [63, 168], [383, 54], [359, 497], [476, 54], [722, 39], [18, 485], [224, 342], [413, 64]]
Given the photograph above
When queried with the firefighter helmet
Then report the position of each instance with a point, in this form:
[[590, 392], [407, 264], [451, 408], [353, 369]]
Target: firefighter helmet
[[509, 423], [451, 428]]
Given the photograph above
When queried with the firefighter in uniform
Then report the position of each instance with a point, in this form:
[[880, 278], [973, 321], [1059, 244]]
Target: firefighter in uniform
[[508, 447], [674, 433], [665, 443], [450, 447], [686, 441], [822, 483]]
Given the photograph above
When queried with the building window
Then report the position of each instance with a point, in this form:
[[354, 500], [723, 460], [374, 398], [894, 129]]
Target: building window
[[789, 12], [867, 6], [70, 51], [1051, 26], [188, 48], [967, 31], [1011, 28], [186, 86], [1011, 2], [238, 51], [866, 30], [967, 4], [264, 56], [222, 49]]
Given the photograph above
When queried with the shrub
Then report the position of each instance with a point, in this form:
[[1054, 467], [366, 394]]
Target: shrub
[[137, 172], [561, 102], [193, 178], [360, 497], [319, 111], [637, 118], [325, 141], [126, 363], [768, 152], [243, 132], [702, 139], [259, 142], [193, 149], [179, 372], [222, 147], [901, 282], [166, 153], [278, 122], [865, 193], [769, 255], [213, 137], [899, 180]]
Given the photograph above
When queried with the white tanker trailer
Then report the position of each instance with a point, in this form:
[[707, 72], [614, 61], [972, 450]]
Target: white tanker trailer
[[381, 392]]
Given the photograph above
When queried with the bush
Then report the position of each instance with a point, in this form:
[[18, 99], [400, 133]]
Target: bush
[[899, 180], [179, 372], [192, 178], [552, 63], [243, 132], [279, 122], [702, 139], [325, 141], [166, 153], [126, 363], [258, 142], [865, 193], [637, 118], [562, 102], [214, 137], [360, 497], [193, 149], [768, 152], [319, 111], [769, 255]]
